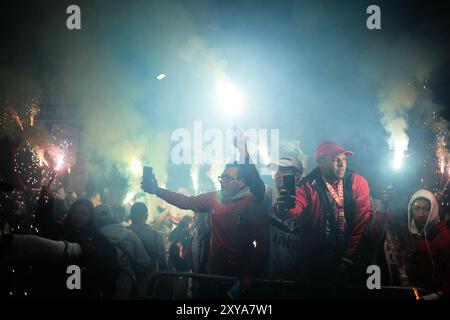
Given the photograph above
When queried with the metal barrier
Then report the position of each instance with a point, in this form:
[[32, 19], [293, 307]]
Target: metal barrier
[[191, 286]]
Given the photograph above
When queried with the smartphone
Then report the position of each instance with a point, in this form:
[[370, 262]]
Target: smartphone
[[289, 186], [147, 177]]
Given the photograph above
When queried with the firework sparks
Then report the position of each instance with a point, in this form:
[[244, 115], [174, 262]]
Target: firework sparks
[[448, 176], [40, 153], [441, 152], [17, 117], [416, 293], [32, 111], [59, 161]]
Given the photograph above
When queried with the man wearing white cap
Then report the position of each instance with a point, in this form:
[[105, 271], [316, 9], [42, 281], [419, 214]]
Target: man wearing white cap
[[284, 261]]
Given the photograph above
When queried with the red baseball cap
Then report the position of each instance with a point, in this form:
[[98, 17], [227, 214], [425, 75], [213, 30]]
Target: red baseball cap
[[330, 148]]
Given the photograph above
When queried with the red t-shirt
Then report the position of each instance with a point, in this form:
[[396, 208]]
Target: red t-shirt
[[239, 231]]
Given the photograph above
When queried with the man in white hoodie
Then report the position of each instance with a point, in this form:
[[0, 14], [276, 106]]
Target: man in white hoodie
[[428, 246]]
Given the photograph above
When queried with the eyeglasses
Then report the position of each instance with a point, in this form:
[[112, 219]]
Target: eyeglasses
[[338, 160], [226, 179]]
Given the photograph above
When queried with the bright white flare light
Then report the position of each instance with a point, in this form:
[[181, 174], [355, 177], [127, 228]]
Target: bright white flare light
[[230, 99], [136, 166], [264, 155], [398, 159], [128, 198], [59, 161], [161, 76]]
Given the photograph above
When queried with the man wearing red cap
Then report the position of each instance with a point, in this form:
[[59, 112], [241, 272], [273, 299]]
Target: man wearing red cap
[[333, 208]]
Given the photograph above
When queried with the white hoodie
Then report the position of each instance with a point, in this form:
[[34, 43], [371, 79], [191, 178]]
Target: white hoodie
[[433, 217]]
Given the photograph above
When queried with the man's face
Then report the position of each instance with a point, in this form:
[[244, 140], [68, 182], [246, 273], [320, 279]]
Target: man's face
[[421, 210], [230, 182], [283, 171], [80, 216], [96, 200], [447, 220], [333, 168]]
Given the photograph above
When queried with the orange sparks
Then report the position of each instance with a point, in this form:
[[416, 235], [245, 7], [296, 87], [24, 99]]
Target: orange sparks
[[448, 167], [33, 112], [19, 122], [40, 154], [416, 293], [440, 153], [59, 161]]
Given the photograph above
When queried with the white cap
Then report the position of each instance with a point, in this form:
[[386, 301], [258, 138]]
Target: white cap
[[286, 162]]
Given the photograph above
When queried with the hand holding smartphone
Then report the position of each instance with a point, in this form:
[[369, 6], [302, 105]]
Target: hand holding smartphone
[[149, 183], [289, 188]]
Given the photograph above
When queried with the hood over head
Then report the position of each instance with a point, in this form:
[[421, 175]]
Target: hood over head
[[433, 217]]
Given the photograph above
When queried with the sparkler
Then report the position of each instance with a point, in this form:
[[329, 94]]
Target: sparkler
[[416, 293], [33, 110], [40, 153], [398, 158], [59, 162], [440, 156], [12, 116], [16, 116], [398, 140], [19, 122], [448, 177]]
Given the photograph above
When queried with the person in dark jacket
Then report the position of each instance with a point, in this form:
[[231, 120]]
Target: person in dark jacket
[[98, 263], [333, 208], [100, 268], [180, 250]]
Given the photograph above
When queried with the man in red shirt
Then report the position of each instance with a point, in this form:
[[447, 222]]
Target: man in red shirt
[[333, 208], [239, 226]]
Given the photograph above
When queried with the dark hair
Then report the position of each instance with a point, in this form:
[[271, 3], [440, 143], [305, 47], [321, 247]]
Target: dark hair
[[118, 212], [103, 211], [59, 208], [92, 193], [82, 202], [138, 211], [185, 221]]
